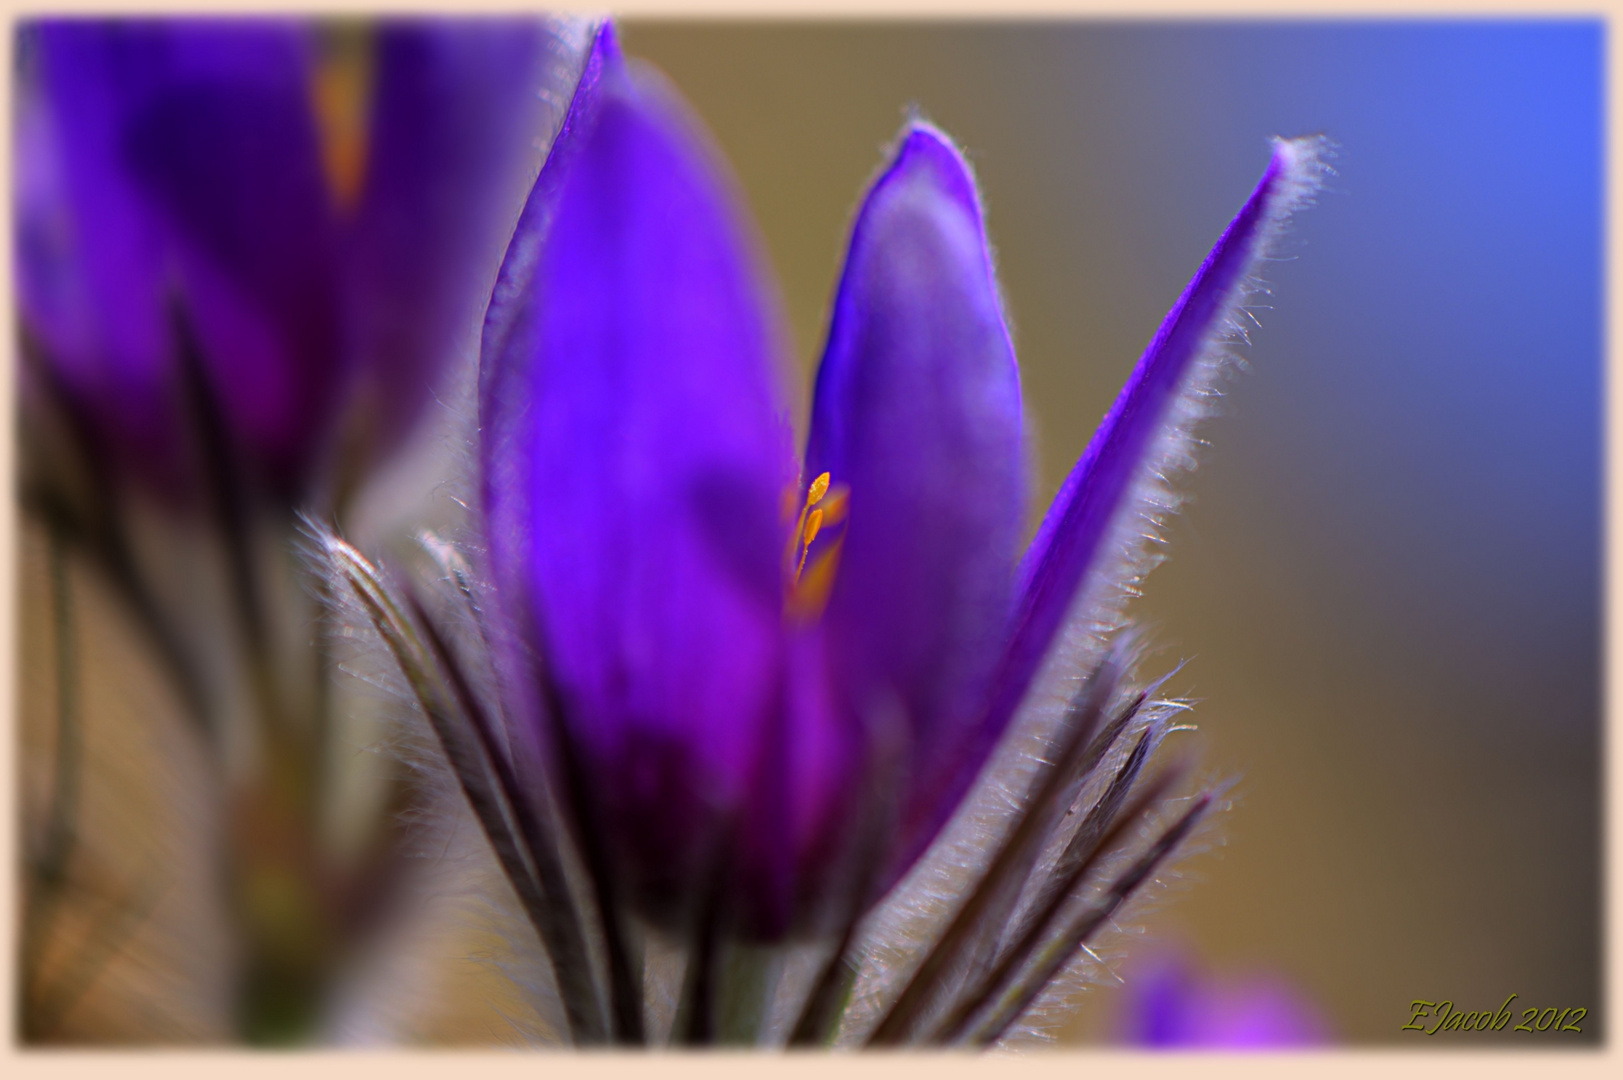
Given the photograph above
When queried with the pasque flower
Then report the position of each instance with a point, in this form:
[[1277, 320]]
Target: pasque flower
[[306, 216], [747, 663], [698, 684]]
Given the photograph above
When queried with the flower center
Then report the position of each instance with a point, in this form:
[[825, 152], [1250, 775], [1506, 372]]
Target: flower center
[[813, 554]]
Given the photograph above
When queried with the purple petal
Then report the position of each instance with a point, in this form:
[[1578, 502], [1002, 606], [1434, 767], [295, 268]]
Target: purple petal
[[1084, 526], [652, 458], [458, 112], [799, 833], [228, 154], [504, 374], [91, 260], [177, 162], [508, 298], [917, 410], [504, 387]]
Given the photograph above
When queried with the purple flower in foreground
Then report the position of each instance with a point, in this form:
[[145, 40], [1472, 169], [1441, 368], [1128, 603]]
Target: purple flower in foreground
[[729, 653], [309, 219]]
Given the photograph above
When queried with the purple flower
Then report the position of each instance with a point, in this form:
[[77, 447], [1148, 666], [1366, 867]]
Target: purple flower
[[1170, 1005], [745, 664], [290, 224]]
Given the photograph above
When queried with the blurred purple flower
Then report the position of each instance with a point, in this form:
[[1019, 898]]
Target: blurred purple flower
[[1170, 1004], [323, 233], [730, 654]]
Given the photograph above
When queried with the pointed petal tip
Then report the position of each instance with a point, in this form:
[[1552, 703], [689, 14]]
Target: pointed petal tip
[[1296, 171], [926, 153], [1307, 152], [920, 136], [603, 53], [510, 297]]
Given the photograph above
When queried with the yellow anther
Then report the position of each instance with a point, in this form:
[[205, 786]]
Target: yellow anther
[[811, 577], [818, 489], [814, 522]]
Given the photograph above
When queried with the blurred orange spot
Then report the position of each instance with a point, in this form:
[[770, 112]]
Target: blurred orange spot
[[340, 94]]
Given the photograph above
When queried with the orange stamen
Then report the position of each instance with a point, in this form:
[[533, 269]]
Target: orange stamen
[[825, 506]]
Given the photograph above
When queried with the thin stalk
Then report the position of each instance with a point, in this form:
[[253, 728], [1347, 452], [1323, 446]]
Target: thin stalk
[[567, 942], [231, 512], [1083, 845], [225, 489], [819, 1020], [321, 704], [749, 976], [1034, 824], [982, 990], [695, 1021], [576, 988], [1017, 997], [998, 917], [106, 538], [454, 566]]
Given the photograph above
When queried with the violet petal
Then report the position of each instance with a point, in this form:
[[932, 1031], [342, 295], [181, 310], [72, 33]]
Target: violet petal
[[226, 152], [653, 456], [1076, 535], [503, 393], [87, 254], [176, 162], [504, 373], [918, 411], [457, 114]]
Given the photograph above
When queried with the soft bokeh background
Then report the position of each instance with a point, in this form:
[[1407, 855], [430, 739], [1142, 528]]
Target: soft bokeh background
[[1387, 584]]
